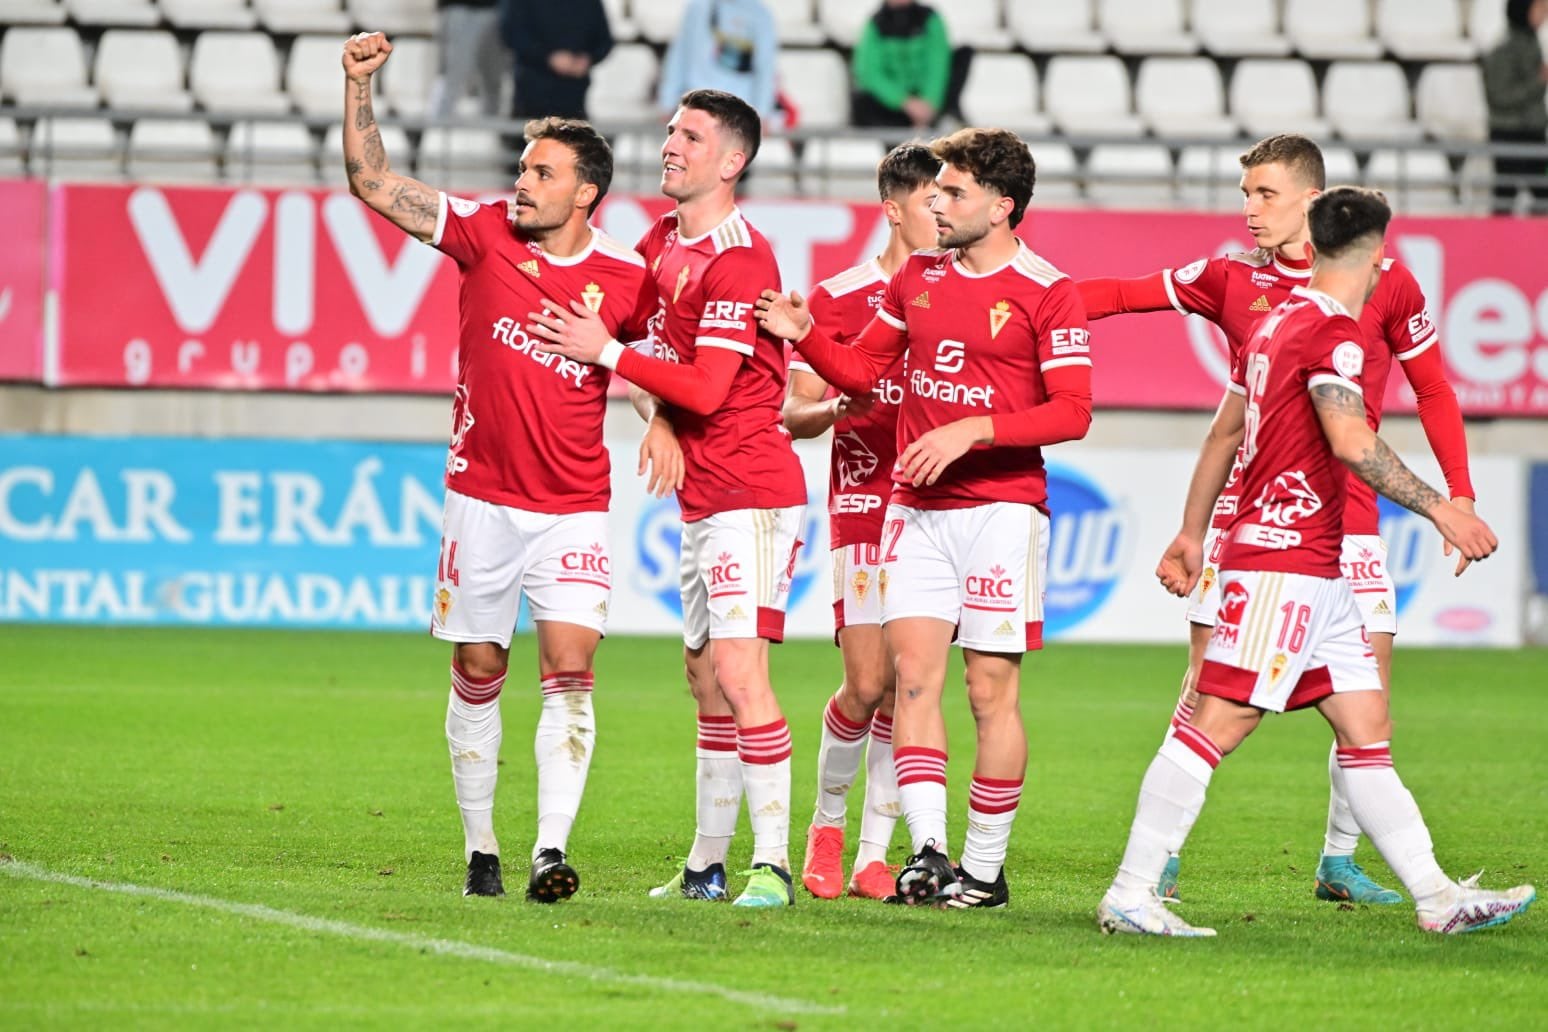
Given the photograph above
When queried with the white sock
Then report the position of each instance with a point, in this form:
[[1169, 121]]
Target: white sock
[[882, 806], [717, 791], [838, 762], [1386, 811], [1171, 796], [473, 737], [765, 754], [992, 804], [566, 734], [922, 791], [1343, 832]]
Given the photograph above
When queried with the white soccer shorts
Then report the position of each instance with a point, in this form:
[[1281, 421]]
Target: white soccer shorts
[[856, 586], [736, 568], [493, 554], [1284, 641], [1364, 563], [983, 569], [1205, 600]]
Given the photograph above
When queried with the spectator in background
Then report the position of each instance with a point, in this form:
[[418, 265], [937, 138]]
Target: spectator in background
[[729, 45], [902, 65], [1515, 79], [556, 43], [469, 54]]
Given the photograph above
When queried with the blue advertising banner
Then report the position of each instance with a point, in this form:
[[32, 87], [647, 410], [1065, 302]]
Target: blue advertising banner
[[230, 532], [1537, 519]]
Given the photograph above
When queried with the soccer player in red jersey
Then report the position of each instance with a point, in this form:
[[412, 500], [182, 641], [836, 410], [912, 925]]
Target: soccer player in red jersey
[[527, 479], [1290, 634], [859, 486], [998, 365], [1280, 175], [743, 495]]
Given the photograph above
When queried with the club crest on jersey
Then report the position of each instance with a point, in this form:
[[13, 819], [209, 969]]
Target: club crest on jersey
[[922, 301], [592, 298], [682, 281], [1260, 305], [1206, 581], [443, 604], [999, 315], [881, 583], [530, 267], [862, 584], [1277, 667]]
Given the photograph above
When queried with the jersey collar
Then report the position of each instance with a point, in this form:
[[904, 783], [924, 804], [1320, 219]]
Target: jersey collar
[[962, 270], [1327, 302]]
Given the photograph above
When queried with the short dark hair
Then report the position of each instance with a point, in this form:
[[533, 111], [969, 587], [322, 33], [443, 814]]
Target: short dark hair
[[1345, 218], [1292, 150], [593, 157], [998, 160], [734, 114], [906, 168]]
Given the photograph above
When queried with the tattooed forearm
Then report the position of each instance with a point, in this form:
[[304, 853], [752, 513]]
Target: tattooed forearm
[[1380, 467], [364, 116], [375, 153], [420, 205], [353, 167], [1330, 397]]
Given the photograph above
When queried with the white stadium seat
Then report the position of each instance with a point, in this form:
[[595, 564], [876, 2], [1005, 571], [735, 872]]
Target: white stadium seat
[[1368, 100], [113, 12], [44, 66], [394, 17], [1275, 95], [238, 72], [623, 85], [141, 69], [1239, 28], [407, 76], [1065, 27], [795, 22], [1210, 178], [843, 167], [1341, 165], [1001, 89], [76, 149], [619, 22], [1416, 181], [976, 23], [32, 12], [637, 161], [1058, 175], [1130, 176], [1485, 23], [1331, 29], [1475, 182], [1449, 101], [209, 14], [1424, 30], [773, 171], [400, 154], [817, 82], [288, 17], [1146, 27], [1090, 95], [463, 159], [173, 150], [272, 153], [314, 79], [12, 148], [658, 20], [1182, 96], [842, 20]]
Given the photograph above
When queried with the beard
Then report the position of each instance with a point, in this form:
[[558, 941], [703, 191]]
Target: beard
[[960, 236], [536, 221]]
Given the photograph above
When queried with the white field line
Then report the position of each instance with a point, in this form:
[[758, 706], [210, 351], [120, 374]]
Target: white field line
[[423, 943]]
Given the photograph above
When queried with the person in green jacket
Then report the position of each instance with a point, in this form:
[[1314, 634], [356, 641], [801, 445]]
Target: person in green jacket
[[1515, 79], [902, 63]]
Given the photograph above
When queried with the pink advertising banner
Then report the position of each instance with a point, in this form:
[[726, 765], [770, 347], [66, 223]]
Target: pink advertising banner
[[23, 259]]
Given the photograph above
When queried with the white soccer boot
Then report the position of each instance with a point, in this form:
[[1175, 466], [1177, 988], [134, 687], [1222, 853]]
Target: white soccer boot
[[1149, 916], [1467, 908]]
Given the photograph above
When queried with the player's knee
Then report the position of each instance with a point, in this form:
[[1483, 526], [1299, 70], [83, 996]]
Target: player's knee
[[481, 660], [864, 691], [990, 697], [917, 677]]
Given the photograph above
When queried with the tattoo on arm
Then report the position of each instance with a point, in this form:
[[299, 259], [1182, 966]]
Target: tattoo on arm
[[420, 205], [1382, 469], [354, 167], [375, 153], [1330, 397]]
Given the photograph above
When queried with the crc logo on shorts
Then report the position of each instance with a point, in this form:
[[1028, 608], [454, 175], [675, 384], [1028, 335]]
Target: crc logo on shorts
[[1089, 545], [1233, 606], [994, 592], [587, 566], [1411, 548], [726, 577]]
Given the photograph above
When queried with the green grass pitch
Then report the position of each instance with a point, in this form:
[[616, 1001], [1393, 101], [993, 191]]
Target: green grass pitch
[[160, 789]]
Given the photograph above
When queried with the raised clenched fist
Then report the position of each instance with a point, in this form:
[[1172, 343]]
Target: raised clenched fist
[[364, 53]]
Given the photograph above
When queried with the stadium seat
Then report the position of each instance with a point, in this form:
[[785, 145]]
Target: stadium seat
[[1002, 90], [637, 161], [13, 148], [1090, 95], [1475, 184], [272, 153], [1331, 29], [619, 22], [394, 17], [842, 167], [314, 79], [289, 17], [1449, 101], [86, 149], [400, 154], [209, 14], [773, 173], [1368, 100], [1485, 23], [842, 20], [113, 12], [623, 85], [238, 71], [817, 82], [977, 24], [796, 24], [1275, 95], [173, 150], [1182, 96], [1129, 175], [1065, 27], [658, 19], [1417, 181], [1209, 178], [1341, 165], [1424, 30], [1146, 27], [1239, 28], [141, 68], [463, 159], [1058, 175], [407, 75], [32, 12], [44, 66]]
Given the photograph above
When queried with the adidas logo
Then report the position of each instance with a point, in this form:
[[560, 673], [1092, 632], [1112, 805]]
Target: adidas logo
[[530, 267], [1382, 609], [1260, 305], [737, 613], [1004, 630], [922, 301]]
